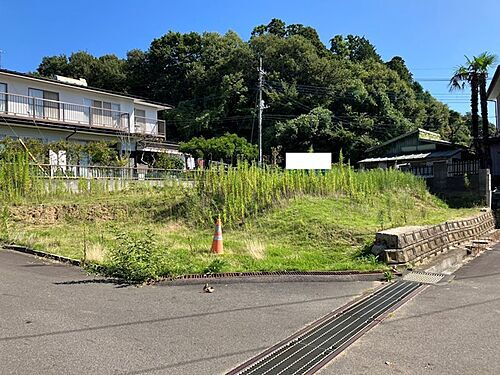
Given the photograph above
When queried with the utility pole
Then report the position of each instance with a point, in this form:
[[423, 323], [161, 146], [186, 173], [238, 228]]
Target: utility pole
[[261, 107]]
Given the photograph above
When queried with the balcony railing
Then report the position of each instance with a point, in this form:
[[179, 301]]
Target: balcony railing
[[149, 126], [70, 113]]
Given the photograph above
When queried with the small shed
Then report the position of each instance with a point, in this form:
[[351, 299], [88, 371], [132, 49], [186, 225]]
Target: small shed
[[415, 151]]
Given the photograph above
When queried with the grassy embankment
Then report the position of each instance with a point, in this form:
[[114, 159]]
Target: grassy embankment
[[274, 220]]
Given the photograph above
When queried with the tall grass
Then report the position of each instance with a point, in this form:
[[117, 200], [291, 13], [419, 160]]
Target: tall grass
[[21, 181], [16, 181], [234, 194], [246, 190]]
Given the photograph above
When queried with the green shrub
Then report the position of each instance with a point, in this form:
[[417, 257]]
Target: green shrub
[[166, 161], [100, 153], [228, 148], [135, 258], [388, 276], [216, 266]]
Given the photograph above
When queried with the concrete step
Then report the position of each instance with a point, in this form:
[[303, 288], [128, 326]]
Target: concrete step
[[448, 262]]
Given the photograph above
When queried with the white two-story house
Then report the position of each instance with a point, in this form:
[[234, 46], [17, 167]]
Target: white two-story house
[[67, 109]]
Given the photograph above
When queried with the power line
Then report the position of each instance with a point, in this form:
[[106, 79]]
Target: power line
[[438, 79]]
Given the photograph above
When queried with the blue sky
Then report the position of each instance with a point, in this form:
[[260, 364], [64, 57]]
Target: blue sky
[[431, 35]]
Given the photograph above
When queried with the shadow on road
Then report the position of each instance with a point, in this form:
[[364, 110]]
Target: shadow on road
[[166, 319], [460, 307], [477, 276], [184, 363], [117, 282]]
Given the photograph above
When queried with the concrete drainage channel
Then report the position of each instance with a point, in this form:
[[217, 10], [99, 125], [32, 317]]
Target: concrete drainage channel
[[309, 350], [312, 348]]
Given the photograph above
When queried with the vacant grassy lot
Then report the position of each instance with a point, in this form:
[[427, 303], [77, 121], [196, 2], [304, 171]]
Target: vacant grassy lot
[[273, 219], [304, 232]]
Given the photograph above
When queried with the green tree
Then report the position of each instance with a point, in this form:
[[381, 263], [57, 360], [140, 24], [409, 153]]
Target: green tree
[[211, 80], [52, 65], [228, 148], [399, 66], [481, 64], [356, 48], [167, 161], [474, 74], [81, 64], [136, 75], [457, 131], [462, 77], [276, 27], [105, 72]]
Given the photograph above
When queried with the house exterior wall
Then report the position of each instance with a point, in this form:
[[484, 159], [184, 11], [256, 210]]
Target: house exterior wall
[[495, 159], [80, 96], [497, 113], [150, 114], [52, 135]]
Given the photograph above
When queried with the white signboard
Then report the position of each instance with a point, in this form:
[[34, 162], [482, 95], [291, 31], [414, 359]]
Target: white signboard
[[308, 160]]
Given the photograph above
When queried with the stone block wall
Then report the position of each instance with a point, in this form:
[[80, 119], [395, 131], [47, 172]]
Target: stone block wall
[[414, 244]]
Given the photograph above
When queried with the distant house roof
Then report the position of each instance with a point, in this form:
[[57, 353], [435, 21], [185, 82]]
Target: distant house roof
[[423, 134], [426, 155], [137, 99], [494, 87]]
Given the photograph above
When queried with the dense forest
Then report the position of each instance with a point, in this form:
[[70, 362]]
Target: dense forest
[[321, 98]]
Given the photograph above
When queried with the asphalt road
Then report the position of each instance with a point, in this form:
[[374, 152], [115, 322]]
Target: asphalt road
[[451, 329], [54, 319]]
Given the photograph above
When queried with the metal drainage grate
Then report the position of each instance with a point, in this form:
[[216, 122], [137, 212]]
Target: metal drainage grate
[[423, 277], [312, 349]]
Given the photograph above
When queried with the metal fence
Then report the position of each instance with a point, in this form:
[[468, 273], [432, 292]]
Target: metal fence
[[425, 171], [108, 172], [462, 167]]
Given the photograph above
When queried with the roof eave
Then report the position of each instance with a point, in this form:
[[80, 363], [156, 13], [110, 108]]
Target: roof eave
[[144, 101], [494, 87]]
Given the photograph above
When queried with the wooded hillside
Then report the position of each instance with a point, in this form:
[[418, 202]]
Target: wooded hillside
[[325, 98]]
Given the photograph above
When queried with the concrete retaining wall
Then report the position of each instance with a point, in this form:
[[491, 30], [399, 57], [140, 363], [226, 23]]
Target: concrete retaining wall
[[415, 244], [89, 185]]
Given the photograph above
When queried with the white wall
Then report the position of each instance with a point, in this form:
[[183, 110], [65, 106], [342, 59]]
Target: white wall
[[151, 113], [44, 134], [76, 95]]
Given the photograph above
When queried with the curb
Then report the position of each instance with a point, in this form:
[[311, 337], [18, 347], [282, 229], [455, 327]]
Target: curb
[[42, 254], [278, 276], [229, 277]]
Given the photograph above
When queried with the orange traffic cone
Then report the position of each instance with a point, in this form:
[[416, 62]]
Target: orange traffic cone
[[217, 246]]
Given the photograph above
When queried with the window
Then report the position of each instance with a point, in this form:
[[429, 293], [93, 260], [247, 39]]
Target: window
[[3, 97], [105, 113], [45, 104], [140, 120]]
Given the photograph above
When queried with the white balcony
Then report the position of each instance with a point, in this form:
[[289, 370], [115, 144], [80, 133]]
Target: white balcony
[[149, 126], [75, 114]]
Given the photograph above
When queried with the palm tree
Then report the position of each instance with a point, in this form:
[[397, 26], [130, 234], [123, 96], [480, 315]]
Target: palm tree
[[475, 73], [481, 65], [462, 77]]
